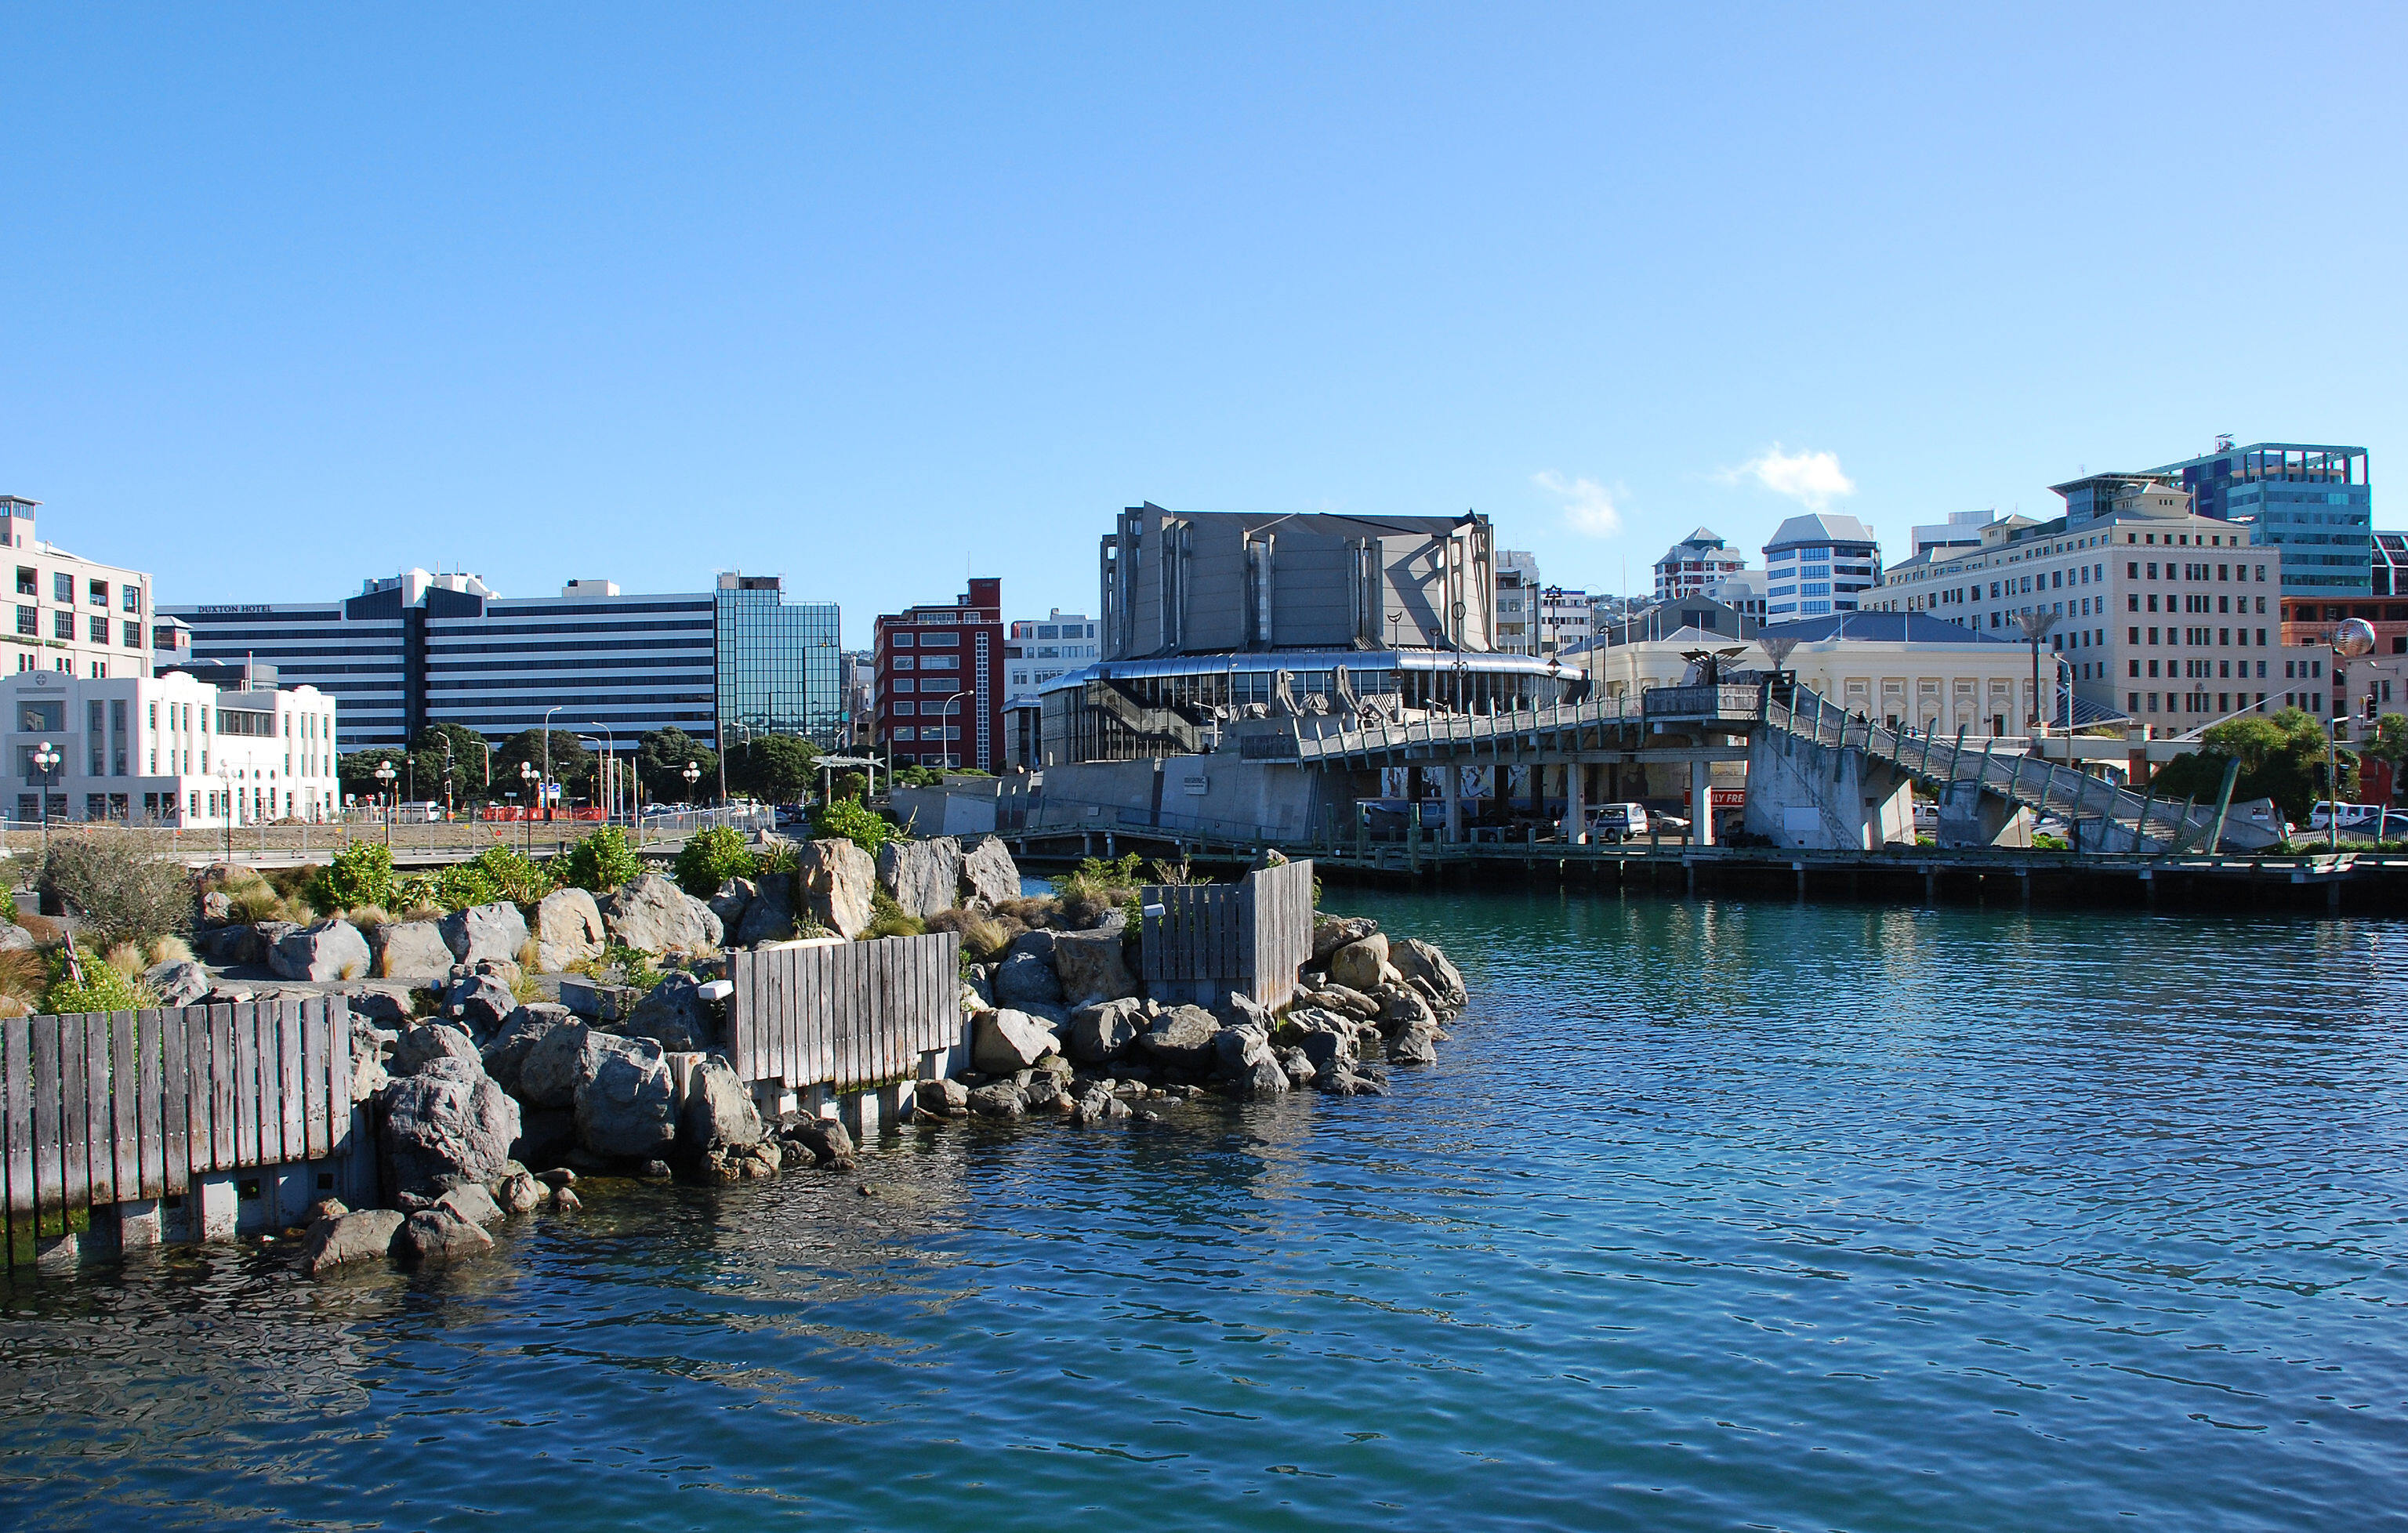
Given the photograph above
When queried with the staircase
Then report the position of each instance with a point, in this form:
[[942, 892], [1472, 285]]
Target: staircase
[[2041, 786]]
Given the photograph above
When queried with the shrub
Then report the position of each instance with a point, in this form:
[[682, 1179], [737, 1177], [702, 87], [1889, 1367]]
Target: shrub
[[516, 878], [24, 975], [886, 918], [9, 906], [711, 858], [1044, 911], [168, 949], [850, 820], [102, 989], [984, 933], [122, 893], [602, 862], [368, 918], [777, 857], [361, 874], [618, 963]]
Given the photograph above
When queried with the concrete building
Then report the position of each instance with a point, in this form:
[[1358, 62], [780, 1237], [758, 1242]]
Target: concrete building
[[1567, 619], [1961, 533], [418, 648], [2311, 501], [171, 750], [75, 616], [1819, 564], [1518, 602], [940, 683], [1742, 593], [1036, 650], [1695, 562]]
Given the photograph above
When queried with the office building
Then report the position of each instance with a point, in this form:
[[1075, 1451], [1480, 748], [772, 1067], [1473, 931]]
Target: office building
[[2310, 501], [1518, 602], [171, 750], [1036, 650], [778, 662], [1817, 564], [940, 680], [418, 649], [1742, 593], [1567, 619], [1695, 562], [74, 616], [1959, 534]]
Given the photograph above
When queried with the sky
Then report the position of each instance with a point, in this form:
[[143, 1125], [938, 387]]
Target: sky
[[878, 297]]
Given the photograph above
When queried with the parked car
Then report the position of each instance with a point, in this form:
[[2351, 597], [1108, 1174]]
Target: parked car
[[1617, 822], [2359, 822]]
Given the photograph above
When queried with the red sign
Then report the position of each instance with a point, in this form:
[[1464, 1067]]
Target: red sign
[[1724, 798]]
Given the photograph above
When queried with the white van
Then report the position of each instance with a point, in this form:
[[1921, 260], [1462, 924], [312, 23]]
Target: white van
[[1617, 822]]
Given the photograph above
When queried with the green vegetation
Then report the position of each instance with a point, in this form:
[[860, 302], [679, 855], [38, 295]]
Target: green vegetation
[[778, 768], [361, 874], [661, 757], [2282, 758], [101, 989], [9, 906], [711, 858], [601, 861], [848, 819], [887, 919], [619, 964], [122, 893]]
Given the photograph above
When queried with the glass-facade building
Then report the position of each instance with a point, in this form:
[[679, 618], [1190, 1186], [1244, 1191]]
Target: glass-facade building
[[2311, 500], [779, 666]]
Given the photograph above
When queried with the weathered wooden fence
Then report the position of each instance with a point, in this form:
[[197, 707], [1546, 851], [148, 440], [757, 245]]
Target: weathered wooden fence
[[846, 1014], [1209, 940], [108, 1107]]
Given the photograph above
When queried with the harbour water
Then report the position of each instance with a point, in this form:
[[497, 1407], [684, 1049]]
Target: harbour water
[[1714, 1214]]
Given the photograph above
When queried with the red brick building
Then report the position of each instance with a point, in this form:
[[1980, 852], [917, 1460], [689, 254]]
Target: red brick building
[[940, 686]]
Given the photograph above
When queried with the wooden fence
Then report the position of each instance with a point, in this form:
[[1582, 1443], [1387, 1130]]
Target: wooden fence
[[1209, 940], [107, 1107], [847, 1014]]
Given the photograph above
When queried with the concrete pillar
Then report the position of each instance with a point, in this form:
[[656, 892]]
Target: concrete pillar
[[1451, 789], [217, 1213], [1575, 803], [1702, 799], [138, 1223]]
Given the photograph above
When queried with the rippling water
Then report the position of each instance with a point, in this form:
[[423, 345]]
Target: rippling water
[[1713, 1215]]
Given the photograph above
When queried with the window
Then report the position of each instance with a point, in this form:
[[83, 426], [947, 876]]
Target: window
[[901, 641], [29, 621], [28, 582], [62, 624], [62, 586], [941, 641], [940, 662], [100, 630], [132, 595], [133, 634], [99, 593]]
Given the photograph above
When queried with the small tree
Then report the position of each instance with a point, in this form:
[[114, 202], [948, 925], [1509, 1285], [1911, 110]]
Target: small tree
[[2283, 757], [360, 874], [120, 892], [711, 858], [778, 768], [851, 820], [602, 862]]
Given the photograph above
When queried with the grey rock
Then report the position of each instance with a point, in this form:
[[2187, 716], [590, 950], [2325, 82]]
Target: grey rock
[[628, 1110], [770, 915], [826, 1141], [545, 1134], [562, 1062], [1039, 942], [719, 1113], [1325, 1051], [1297, 1065], [1240, 1010], [1237, 1051], [362, 1237], [422, 1045], [383, 1005], [16, 938], [988, 872], [1002, 1099], [1026, 977], [216, 905], [519, 1193], [1332, 932], [412, 950], [1046, 1093], [1361, 965], [1092, 967], [835, 880], [1345, 999], [655, 915], [940, 1098], [557, 1177], [530, 1025], [1006, 1040], [979, 979], [565, 1200], [479, 1003], [568, 930], [674, 1015], [174, 984], [1100, 1031], [596, 1001], [921, 876], [485, 931], [1401, 1006], [1422, 963], [449, 1119], [471, 1202], [1416, 1043], [439, 1234], [331, 949], [728, 904]]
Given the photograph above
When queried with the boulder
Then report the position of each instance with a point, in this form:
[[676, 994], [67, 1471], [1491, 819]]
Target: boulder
[[1298, 1066], [565, 1200], [1000, 1099], [654, 914], [439, 1234], [1026, 976], [1346, 999], [833, 880], [728, 904], [484, 931], [1007, 1040], [217, 904], [519, 1193], [479, 1003], [558, 1065], [361, 1237], [1262, 1077], [940, 1098], [826, 1141], [1420, 962], [674, 1015], [383, 1005], [1100, 1030], [596, 1001], [1401, 1007], [568, 930], [331, 949], [719, 1113], [174, 984], [1360, 965], [15, 938], [412, 950], [326, 1207], [421, 1046], [1332, 932], [1237, 1051], [921, 876], [449, 1119], [1092, 967], [1416, 1043], [368, 1074], [770, 915], [628, 1110], [1046, 1093], [1325, 1051], [1183, 1037], [471, 1202], [547, 1136], [1240, 1010], [505, 1056], [988, 872]]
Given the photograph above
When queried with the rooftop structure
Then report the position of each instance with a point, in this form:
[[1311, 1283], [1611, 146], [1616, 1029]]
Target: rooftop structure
[[1818, 564], [1696, 562]]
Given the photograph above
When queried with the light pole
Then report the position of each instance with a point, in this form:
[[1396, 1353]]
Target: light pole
[[693, 774], [945, 712], [2349, 642], [47, 757], [547, 754], [384, 776], [529, 773], [609, 778], [2035, 625], [447, 778]]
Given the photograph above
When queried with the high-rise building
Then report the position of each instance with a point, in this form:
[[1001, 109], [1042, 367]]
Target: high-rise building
[[1961, 531], [74, 615], [777, 666], [1695, 562], [1567, 619], [1819, 564], [2312, 501], [1518, 602], [1036, 650], [940, 680]]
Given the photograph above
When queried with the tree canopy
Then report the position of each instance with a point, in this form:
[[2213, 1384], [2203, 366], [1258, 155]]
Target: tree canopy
[[573, 766], [780, 768], [2282, 758], [661, 757]]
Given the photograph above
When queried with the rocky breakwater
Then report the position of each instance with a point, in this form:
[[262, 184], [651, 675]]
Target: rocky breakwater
[[1059, 1030]]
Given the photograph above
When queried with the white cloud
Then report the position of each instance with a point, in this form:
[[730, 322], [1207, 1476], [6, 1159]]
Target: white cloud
[[1588, 506], [1813, 479]]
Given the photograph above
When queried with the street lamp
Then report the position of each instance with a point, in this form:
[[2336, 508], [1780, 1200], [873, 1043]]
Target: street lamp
[[384, 776], [2036, 624], [944, 711], [693, 774], [2350, 640], [47, 757], [529, 773], [547, 753]]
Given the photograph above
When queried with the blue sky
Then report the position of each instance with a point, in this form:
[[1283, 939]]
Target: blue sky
[[290, 297]]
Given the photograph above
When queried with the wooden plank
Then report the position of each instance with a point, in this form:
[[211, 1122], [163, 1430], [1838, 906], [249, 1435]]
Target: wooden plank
[[339, 1078], [48, 1046], [777, 1014], [175, 1106], [124, 1103], [292, 1098], [75, 1156], [17, 1102], [150, 1163], [224, 1069], [317, 1043], [894, 1005], [101, 1144], [827, 966], [244, 1031], [742, 1015]]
